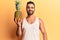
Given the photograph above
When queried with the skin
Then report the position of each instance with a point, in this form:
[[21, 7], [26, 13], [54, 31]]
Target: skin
[[30, 19]]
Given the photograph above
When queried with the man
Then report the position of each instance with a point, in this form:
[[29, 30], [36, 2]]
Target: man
[[29, 27]]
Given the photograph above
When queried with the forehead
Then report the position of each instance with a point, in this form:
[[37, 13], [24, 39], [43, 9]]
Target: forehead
[[30, 5]]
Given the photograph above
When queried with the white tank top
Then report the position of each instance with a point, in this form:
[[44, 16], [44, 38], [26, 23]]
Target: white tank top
[[31, 31]]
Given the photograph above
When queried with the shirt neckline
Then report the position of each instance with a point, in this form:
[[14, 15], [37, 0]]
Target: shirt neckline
[[31, 23]]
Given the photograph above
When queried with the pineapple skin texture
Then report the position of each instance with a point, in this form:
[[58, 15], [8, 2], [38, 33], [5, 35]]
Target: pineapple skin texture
[[17, 16]]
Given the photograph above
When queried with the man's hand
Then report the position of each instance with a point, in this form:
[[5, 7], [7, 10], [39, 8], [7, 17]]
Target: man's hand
[[19, 22], [20, 26]]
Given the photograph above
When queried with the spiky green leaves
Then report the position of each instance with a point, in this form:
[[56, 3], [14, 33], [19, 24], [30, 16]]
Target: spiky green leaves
[[17, 5]]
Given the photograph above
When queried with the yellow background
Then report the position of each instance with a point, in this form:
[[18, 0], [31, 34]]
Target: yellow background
[[47, 10]]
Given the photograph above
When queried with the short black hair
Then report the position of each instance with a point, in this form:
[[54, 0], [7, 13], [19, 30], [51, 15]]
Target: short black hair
[[30, 2]]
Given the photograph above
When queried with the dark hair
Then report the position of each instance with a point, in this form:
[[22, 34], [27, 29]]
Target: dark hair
[[30, 2]]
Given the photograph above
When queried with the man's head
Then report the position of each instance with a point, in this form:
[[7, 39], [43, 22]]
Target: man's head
[[30, 7]]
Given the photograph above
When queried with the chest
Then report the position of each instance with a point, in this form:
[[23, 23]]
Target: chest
[[33, 26]]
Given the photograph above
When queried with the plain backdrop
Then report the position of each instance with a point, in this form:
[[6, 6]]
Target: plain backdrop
[[47, 10]]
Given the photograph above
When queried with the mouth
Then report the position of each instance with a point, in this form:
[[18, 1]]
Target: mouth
[[30, 11]]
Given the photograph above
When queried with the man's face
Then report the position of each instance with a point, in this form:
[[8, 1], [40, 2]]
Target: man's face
[[30, 9]]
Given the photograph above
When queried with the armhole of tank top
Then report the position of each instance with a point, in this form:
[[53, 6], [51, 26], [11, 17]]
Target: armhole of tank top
[[22, 23], [38, 22]]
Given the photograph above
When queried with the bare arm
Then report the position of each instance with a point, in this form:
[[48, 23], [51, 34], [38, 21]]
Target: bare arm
[[42, 28], [20, 28]]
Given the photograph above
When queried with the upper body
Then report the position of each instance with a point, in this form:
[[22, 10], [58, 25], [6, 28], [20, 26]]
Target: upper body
[[31, 30], [26, 29]]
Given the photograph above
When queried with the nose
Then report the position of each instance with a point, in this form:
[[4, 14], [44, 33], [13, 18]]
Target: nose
[[30, 8]]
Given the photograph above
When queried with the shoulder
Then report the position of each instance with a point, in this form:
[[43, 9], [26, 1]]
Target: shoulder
[[41, 21]]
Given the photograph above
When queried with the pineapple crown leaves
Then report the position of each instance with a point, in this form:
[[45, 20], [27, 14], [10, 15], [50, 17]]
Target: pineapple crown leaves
[[17, 4]]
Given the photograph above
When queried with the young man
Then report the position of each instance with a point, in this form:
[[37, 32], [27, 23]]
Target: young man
[[29, 27]]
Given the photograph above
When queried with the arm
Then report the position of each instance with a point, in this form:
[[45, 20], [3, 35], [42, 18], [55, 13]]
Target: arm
[[42, 28], [20, 28]]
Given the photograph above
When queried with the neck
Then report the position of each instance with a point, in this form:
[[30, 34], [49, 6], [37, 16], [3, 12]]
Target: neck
[[30, 16]]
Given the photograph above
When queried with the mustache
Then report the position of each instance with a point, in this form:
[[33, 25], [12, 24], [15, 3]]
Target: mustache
[[30, 10]]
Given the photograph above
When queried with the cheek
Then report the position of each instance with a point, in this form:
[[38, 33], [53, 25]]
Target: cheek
[[32, 9], [27, 9]]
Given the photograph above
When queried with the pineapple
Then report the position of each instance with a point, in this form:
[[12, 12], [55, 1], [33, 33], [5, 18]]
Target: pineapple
[[18, 13]]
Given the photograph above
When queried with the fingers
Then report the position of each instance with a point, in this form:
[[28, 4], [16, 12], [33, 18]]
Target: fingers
[[16, 20], [19, 22]]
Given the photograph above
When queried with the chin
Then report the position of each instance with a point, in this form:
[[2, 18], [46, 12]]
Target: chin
[[30, 14]]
